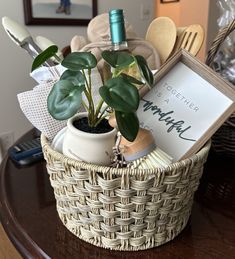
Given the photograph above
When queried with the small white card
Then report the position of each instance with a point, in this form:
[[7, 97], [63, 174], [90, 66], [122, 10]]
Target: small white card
[[184, 109]]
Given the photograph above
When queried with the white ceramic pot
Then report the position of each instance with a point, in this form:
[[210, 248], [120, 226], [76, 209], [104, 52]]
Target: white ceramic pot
[[88, 147]]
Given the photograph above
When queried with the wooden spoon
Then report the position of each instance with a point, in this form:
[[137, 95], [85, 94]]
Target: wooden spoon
[[162, 34], [190, 39]]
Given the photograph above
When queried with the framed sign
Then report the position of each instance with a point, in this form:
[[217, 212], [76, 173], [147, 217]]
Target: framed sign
[[188, 103], [59, 12]]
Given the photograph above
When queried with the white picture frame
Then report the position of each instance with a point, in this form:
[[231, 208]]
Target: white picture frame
[[187, 104]]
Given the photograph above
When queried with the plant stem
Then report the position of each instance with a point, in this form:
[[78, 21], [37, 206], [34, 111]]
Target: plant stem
[[91, 109], [98, 107], [85, 106], [101, 117]]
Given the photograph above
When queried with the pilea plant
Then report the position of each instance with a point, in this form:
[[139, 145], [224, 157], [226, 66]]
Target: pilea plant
[[118, 94]]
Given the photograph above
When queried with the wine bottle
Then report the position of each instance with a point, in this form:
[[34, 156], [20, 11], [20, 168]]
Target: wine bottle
[[118, 39]]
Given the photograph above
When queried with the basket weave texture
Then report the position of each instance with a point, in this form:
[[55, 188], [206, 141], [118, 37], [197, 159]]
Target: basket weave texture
[[121, 208], [223, 141]]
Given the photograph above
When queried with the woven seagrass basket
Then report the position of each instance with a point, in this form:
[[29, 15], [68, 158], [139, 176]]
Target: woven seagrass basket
[[123, 209], [223, 141]]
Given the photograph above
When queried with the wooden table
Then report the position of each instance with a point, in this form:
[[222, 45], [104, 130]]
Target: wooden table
[[29, 216]]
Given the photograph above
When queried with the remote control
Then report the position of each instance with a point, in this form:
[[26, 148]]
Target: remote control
[[26, 153]]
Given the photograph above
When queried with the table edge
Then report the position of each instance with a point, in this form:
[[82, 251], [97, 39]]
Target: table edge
[[19, 238]]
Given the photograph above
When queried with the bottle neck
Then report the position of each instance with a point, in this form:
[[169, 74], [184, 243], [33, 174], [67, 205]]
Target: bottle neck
[[122, 46], [117, 30]]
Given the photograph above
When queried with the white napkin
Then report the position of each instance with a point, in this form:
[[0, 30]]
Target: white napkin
[[33, 103]]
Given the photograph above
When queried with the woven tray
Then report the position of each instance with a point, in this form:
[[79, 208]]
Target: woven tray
[[123, 209], [223, 141]]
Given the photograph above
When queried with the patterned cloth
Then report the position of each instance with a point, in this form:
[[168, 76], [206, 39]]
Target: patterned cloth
[[33, 103]]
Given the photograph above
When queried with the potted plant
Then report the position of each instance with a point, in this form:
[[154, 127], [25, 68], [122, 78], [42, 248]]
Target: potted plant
[[118, 95]]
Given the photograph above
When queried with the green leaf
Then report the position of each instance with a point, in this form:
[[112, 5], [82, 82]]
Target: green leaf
[[118, 59], [128, 124], [120, 94], [64, 99], [131, 79], [145, 71], [44, 56], [79, 60], [76, 77]]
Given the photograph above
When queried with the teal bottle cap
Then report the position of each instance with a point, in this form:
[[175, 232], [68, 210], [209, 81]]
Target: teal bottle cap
[[117, 26]]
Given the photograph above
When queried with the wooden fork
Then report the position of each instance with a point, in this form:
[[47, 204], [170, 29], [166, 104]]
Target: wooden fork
[[190, 38]]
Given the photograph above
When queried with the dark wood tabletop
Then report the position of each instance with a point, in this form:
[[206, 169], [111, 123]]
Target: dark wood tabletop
[[29, 217]]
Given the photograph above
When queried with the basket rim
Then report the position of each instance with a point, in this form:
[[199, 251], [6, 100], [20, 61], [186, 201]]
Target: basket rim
[[200, 155]]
